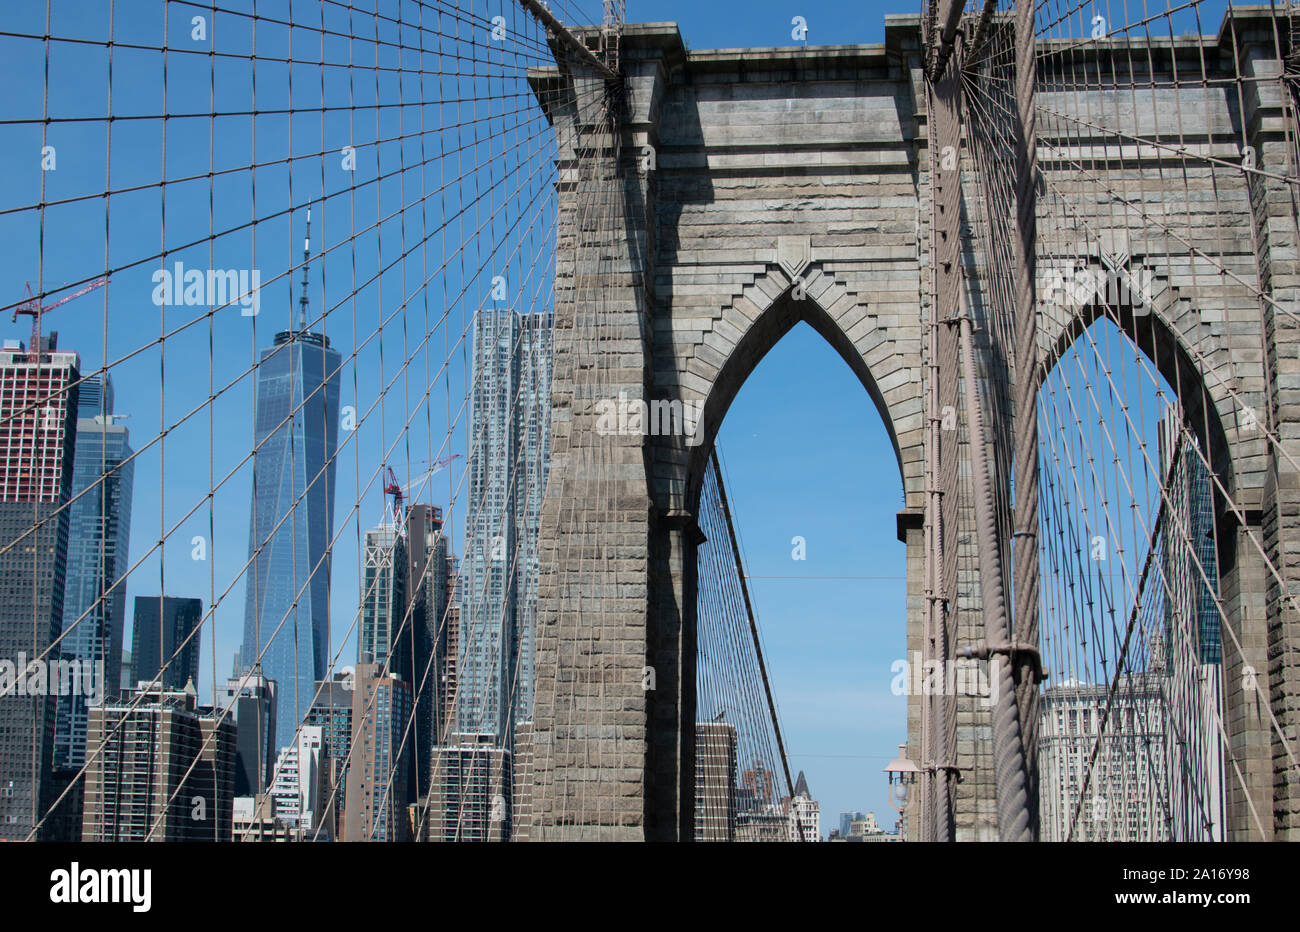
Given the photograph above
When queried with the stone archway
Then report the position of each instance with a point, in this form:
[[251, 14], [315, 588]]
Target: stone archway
[[684, 227]]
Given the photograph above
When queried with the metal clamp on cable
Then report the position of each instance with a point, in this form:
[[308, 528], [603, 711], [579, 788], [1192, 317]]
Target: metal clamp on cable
[[947, 770], [1012, 650]]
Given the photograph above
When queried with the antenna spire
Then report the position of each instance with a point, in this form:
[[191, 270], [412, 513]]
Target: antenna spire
[[306, 253]]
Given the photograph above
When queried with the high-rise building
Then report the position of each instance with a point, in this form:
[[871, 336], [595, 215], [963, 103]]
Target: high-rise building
[[163, 633], [287, 587], [508, 465], [757, 788], [760, 814], [1192, 655], [715, 781], [377, 783], [38, 409], [1191, 557], [332, 713], [250, 699], [449, 670], [469, 793], [1123, 801], [298, 786], [160, 769], [848, 818], [99, 531], [385, 630], [394, 629], [428, 588]]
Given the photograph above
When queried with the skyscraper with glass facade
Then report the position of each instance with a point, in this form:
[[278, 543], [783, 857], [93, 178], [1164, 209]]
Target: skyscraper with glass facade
[[286, 614], [1191, 551], [509, 450], [99, 531], [38, 408], [385, 632], [1192, 650], [163, 643]]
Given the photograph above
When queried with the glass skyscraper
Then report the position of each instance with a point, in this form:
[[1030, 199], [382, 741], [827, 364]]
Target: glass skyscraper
[[384, 631], [1191, 552], [99, 531], [38, 407], [1191, 656], [292, 521], [163, 633], [509, 457]]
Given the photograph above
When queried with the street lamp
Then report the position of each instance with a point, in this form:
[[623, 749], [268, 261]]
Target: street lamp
[[902, 775]]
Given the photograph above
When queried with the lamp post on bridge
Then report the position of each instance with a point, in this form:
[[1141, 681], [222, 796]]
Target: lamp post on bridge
[[902, 774]]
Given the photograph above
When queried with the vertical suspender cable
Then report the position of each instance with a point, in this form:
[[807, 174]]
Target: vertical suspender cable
[[1008, 739], [1024, 559]]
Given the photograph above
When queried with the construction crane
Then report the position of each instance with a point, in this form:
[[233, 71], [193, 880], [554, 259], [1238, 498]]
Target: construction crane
[[395, 490], [398, 491], [35, 309]]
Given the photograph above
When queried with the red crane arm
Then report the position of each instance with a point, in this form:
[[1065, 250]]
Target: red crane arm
[[76, 294]]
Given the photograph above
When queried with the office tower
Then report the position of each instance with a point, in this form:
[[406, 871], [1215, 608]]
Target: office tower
[[715, 781], [332, 713], [163, 633], [508, 465], [377, 788], [295, 434], [298, 787], [250, 699], [449, 669], [535, 456], [848, 818], [804, 813], [164, 770], [1191, 549], [1192, 644], [757, 789], [428, 589], [760, 815], [385, 630], [99, 531], [1123, 801], [38, 407], [468, 798], [394, 632]]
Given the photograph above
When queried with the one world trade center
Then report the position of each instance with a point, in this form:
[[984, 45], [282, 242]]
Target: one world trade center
[[286, 615]]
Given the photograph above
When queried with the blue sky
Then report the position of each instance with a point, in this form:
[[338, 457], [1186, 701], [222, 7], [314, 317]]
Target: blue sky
[[806, 455]]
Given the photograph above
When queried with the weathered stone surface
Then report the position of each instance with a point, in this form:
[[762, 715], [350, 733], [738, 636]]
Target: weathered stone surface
[[674, 279]]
